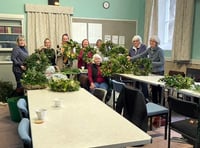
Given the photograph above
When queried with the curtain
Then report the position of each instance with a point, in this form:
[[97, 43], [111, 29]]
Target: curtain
[[182, 38], [47, 22], [151, 20]]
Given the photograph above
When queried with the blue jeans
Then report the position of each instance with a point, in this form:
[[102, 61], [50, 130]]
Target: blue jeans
[[103, 85]]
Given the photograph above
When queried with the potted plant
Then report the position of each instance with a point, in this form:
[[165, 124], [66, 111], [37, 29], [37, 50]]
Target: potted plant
[[6, 90]]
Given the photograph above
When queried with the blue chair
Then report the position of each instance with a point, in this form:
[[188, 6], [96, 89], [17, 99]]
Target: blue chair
[[22, 106], [24, 132], [153, 110], [117, 87]]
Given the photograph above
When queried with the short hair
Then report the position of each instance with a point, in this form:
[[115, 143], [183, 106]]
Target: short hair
[[96, 56], [65, 35], [46, 39], [137, 37], [155, 38], [19, 38]]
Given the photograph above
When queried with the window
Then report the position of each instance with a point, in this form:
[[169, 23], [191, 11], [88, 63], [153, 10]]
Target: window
[[166, 17]]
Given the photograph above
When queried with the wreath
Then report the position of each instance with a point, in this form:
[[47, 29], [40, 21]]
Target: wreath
[[142, 67]]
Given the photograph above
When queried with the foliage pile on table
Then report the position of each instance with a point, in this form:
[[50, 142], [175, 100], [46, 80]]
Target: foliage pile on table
[[177, 81], [60, 83], [118, 63], [142, 67], [34, 77]]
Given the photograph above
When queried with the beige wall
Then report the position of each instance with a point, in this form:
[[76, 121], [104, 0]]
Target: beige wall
[[170, 65]]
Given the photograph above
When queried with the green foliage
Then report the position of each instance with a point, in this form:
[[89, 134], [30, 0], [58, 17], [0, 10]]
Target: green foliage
[[177, 81], [6, 90], [64, 85], [36, 65], [70, 71], [33, 77], [37, 60], [71, 50], [117, 64], [106, 47], [142, 67], [88, 53]]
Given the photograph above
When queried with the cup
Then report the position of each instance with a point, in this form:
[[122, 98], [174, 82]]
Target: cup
[[41, 113], [57, 102], [82, 67]]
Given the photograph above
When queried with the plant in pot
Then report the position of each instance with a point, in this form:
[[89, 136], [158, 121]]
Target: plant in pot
[[6, 90]]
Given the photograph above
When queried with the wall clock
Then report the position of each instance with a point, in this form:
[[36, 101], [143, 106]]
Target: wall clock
[[106, 4]]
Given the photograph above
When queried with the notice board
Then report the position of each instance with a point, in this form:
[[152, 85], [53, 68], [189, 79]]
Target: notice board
[[121, 30]]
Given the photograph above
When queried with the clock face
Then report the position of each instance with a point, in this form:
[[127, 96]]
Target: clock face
[[106, 5]]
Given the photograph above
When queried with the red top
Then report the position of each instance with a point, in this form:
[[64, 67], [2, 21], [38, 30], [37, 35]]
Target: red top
[[98, 78], [81, 62]]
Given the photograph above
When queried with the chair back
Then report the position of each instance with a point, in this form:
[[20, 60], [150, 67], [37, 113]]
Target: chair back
[[134, 105], [117, 86], [185, 108], [22, 106], [100, 93], [24, 132]]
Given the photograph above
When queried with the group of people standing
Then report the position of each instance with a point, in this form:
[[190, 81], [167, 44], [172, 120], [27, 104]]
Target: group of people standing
[[96, 79], [156, 55]]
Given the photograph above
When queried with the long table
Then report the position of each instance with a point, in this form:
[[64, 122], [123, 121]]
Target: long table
[[154, 80], [83, 121]]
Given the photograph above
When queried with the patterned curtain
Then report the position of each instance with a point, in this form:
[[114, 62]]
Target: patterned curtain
[[47, 22], [151, 20], [182, 39]]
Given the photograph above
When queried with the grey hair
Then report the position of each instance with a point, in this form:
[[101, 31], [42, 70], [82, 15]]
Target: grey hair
[[96, 56], [156, 39], [19, 38], [137, 37]]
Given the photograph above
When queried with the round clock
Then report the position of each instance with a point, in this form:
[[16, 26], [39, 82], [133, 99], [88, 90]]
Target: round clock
[[106, 4]]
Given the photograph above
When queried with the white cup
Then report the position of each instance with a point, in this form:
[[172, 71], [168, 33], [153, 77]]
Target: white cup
[[82, 67], [57, 102], [41, 113]]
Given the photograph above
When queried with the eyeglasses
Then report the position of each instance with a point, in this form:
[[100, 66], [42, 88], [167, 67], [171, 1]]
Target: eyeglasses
[[136, 41]]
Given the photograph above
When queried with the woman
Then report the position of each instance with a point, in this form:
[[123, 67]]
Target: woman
[[96, 79], [81, 62], [50, 52], [156, 55], [18, 56]]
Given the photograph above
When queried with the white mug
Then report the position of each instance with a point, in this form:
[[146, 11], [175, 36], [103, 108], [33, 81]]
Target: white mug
[[41, 113], [57, 102]]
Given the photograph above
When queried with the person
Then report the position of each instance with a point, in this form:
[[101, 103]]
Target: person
[[156, 55], [95, 77], [98, 43], [50, 52], [137, 48], [18, 57], [61, 60], [81, 62]]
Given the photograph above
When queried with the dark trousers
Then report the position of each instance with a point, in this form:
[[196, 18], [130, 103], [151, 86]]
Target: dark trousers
[[143, 87], [157, 90], [18, 77]]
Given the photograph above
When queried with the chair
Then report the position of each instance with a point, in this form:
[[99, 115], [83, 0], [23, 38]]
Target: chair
[[152, 109], [22, 106], [100, 93], [134, 106], [187, 127], [117, 87], [24, 132]]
